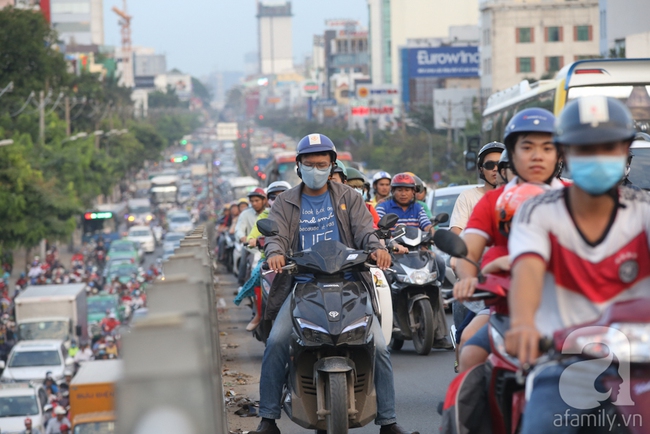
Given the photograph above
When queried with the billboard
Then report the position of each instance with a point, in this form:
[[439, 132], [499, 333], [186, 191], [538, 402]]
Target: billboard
[[452, 108], [443, 62]]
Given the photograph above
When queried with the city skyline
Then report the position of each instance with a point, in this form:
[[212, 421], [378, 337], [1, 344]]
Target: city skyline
[[194, 34]]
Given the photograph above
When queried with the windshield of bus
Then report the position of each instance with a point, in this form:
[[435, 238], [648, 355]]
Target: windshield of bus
[[15, 406], [44, 330], [636, 98], [22, 359], [164, 194]]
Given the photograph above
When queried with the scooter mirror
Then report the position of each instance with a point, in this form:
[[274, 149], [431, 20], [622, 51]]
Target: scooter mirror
[[443, 217], [387, 221], [268, 227], [450, 243]]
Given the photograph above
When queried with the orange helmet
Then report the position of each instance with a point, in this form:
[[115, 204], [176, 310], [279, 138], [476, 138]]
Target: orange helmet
[[510, 200]]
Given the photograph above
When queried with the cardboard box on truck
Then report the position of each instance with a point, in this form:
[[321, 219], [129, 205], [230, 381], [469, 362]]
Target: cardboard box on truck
[[92, 392], [52, 312]]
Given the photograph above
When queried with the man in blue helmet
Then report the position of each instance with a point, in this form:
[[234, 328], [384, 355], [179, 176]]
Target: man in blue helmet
[[349, 222], [534, 158], [575, 252]]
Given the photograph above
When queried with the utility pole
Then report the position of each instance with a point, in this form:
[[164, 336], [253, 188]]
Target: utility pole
[[67, 116], [450, 125], [370, 126], [41, 119]]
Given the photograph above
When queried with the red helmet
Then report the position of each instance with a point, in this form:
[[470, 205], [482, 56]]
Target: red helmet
[[258, 192], [511, 200], [402, 180]]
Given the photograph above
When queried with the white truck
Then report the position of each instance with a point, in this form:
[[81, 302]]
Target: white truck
[[52, 312]]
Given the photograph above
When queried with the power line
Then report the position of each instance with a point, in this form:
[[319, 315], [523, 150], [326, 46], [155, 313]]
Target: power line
[[29, 99]]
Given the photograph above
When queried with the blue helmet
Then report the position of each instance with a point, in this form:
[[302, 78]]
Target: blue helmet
[[314, 143], [530, 120]]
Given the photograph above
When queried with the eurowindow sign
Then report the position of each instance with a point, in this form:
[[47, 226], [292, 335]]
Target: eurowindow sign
[[443, 62]]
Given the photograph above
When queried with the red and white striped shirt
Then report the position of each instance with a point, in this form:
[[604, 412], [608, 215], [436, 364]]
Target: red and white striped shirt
[[582, 279]]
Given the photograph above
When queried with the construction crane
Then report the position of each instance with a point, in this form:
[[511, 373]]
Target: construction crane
[[125, 26]]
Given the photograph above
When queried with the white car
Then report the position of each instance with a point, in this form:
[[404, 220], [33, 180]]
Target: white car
[[32, 360], [444, 199], [19, 401], [144, 236], [180, 222]]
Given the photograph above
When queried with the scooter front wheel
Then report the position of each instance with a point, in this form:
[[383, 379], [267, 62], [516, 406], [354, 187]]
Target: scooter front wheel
[[423, 335], [396, 344], [336, 392]]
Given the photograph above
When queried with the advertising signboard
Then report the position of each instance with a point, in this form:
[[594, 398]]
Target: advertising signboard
[[442, 62]]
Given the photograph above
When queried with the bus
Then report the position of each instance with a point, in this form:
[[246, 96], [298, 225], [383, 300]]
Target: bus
[[104, 220], [282, 167], [625, 79], [163, 192]]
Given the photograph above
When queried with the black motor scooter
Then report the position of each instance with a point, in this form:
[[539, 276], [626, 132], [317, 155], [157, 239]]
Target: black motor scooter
[[330, 385], [415, 285]]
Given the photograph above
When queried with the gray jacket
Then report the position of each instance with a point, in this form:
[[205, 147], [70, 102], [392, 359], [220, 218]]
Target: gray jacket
[[353, 218], [355, 229]]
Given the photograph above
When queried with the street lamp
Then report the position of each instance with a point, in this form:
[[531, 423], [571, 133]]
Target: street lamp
[[6, 142], [430, 145]]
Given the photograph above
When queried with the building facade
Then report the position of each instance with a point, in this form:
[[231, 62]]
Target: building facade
[[618, 19], [533, 39], [78, 22], [393, 22], [346, 59], [275, 38]]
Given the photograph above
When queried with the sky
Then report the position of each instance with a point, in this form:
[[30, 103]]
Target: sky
[[201, 36]]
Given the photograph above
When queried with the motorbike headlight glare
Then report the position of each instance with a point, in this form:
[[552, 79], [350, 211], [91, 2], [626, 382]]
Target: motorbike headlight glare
[[355, 331], [629, 342], [403, 278], [313, 333], [421, 277]]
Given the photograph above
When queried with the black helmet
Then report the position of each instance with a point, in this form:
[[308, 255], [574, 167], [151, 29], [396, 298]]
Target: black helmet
[[419, 185], [488, 149], [504, 161], [593, 120]]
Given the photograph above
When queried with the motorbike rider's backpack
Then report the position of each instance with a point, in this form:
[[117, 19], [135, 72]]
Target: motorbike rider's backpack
[[466, 407]]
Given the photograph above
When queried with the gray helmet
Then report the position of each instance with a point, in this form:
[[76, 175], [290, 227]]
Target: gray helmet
[[594, 120]]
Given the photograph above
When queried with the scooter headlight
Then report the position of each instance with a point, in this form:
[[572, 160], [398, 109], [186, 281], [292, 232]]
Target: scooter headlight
[[355, 331], [314, 333], [422, 277]]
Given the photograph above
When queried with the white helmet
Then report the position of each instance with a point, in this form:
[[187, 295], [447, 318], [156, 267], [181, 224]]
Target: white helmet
[[381, 175], [277, 186]]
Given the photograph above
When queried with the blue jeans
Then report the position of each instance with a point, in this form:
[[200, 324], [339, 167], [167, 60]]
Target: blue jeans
[[276, 357], [548, 412]]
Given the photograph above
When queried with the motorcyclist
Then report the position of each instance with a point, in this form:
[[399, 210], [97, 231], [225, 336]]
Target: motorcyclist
[[380, 186], [273, 191], [575, 252], [534, 158], [340, 173], [245, 224], [359, 183], [486, 164], [109, 323], [29, 429], [411, 213], [421, 194], [503, 167], [348, 221]]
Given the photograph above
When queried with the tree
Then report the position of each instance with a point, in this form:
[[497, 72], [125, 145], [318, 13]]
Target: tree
[[200, 91], [168, 99]]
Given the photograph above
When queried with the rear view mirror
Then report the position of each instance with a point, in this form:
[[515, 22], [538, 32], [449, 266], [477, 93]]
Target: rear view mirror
[[387, 221], [470, 161], [450, 243], [268, 227], [443, 217]]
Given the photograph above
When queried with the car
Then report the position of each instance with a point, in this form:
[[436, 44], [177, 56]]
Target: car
[[125, 249], [32, 360], [143, 235], [443, 200], [19, 401], [123, 272], [180, 222]]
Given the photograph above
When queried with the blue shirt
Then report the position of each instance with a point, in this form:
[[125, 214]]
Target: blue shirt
[[317, 220], [415, 215]]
